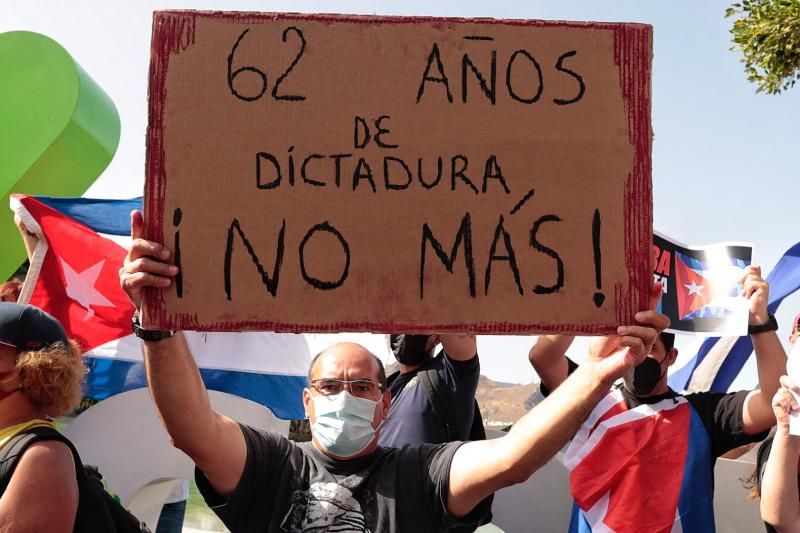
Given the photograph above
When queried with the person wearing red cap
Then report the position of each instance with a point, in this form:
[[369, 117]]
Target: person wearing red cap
[[40, 378]]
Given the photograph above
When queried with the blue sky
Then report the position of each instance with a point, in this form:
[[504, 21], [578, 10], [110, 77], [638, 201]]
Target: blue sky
[[724, 158]]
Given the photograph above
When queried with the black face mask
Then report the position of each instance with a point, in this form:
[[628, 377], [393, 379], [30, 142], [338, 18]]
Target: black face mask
[[644, 377], [409, 349]]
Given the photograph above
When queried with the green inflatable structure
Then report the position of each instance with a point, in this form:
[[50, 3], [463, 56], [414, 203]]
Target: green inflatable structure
[[58, 129]]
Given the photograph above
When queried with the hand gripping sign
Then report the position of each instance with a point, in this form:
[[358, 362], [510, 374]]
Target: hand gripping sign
[[329, 172]]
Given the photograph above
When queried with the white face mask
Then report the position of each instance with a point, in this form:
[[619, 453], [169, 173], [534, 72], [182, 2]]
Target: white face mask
[[343, 423]]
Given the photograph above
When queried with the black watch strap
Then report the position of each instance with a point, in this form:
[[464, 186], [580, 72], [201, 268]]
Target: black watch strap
[[770, 325], [152, 335]]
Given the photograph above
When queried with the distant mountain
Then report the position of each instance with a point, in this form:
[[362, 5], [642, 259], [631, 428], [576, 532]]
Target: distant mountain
[[503, 404]]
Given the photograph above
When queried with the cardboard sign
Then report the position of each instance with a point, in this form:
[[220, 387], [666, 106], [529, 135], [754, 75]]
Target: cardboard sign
[[325, 172]]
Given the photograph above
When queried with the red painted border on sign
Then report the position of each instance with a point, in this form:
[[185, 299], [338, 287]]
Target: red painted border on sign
[[174, 30]]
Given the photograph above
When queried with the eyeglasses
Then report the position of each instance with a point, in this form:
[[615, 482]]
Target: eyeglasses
[[363, 388]]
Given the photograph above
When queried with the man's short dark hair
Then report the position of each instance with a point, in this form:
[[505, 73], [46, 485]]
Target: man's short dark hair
[[667, 339], [381, 369]]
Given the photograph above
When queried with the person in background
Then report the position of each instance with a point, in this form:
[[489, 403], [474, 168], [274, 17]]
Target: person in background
[[765, 450], [10, 290], [780, 500], [795, 333], [40, 378], [433, 398], [644, 412]]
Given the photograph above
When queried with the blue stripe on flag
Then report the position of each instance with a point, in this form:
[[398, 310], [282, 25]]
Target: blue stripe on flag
[[108, 377], [577, 521], [679, 380], [103, 216], [695, 504], [783, 281]]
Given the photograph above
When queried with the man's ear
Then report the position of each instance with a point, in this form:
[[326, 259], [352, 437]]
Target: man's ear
[[672, 356], [308, 403]]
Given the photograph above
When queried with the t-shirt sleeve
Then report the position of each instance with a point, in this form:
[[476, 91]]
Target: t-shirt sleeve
[[463, 369], [571, 367], [723, 416], [437, 483], [244, 508]]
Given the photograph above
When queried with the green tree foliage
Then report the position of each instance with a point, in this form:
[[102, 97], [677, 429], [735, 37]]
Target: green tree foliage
[[767, 32]]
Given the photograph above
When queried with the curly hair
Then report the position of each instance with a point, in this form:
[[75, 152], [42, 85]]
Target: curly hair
[[9, 291], [51, 378]]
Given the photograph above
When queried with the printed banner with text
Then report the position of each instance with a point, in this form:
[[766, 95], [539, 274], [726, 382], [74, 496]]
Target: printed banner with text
[[702, 293]]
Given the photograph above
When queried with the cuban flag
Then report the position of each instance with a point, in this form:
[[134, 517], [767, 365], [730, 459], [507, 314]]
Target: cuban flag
[[705, 292], [714, 363], [74, 275], [641, 469]]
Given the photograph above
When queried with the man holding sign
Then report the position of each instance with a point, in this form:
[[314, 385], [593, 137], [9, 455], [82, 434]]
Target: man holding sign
[[256, 480], [676, 437]]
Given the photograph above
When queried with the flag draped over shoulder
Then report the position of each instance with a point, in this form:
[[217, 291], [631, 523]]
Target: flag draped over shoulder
[[74, 275], [719, 359], [612, 490]]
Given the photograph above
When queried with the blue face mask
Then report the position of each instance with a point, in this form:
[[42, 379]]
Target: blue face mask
[[344, 423]]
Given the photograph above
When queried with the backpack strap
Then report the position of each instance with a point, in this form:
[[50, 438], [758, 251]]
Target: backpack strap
[[11, 453], [441, 401], [391, 377]]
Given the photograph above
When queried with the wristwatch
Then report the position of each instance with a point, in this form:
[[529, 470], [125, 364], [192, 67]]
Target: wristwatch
[[770, 325], [152, 335]]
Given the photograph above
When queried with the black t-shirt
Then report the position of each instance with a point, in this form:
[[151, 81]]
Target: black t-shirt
[[412, 419], [722, 414], [292, 488]]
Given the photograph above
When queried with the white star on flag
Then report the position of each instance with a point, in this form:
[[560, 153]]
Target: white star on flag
[[80, 287], [694, 288]]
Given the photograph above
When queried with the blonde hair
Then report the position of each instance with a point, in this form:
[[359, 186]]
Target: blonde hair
[[51, 378]]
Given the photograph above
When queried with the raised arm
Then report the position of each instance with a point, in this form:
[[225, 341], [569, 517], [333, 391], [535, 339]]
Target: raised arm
[[780, 502], [213, 441], [29, 239], [482, 467], [758, 414], [548, 358], [459, 346]]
